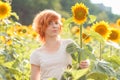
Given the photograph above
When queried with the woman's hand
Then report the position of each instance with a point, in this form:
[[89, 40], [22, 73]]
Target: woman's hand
[[84, 64]]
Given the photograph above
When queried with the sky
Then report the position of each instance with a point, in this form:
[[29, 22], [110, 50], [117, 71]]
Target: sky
[[114, 4]]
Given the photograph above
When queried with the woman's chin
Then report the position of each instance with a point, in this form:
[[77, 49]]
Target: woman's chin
[[54, 35]]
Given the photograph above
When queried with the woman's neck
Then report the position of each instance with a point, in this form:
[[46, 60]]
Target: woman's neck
[[51, 45], [51, 41]]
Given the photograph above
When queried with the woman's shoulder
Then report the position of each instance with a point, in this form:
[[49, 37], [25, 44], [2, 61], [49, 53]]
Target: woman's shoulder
[[67, 41], [35, 57], [36, 51]]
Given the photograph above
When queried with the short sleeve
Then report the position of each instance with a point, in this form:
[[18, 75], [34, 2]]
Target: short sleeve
[[34, 58], [69, 41]]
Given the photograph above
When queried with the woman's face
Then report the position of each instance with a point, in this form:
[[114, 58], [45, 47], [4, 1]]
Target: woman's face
[[53, 28]]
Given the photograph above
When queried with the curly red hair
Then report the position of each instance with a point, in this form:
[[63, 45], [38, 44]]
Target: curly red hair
[[42, 20]]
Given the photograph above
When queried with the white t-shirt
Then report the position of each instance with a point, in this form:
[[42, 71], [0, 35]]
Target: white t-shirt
[[52, 65]]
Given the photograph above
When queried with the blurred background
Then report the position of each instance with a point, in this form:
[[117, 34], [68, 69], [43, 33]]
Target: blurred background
[[27, 9]]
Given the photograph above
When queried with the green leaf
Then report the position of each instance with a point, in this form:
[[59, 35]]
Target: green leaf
[[114, 60], [97, 76], [103, 67], [92, 19], [83, 54], [108, 70], [3, 34], [79, 73], [97, 36], [67, 75], [15, 15], [73, 74], [89, 47], [71, 48], [118, 74], [89, 51], [86, 53], [75, 56], [8, 64], [2, 58], [67, 22]]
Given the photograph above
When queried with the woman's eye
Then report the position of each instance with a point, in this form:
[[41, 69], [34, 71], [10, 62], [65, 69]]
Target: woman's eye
[[51, 23], [56, 22]]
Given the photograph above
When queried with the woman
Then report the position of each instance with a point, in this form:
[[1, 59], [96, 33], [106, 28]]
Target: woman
[[51, 59]]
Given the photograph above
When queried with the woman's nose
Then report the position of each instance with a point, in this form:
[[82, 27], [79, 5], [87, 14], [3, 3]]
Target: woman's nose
[[55, 25]]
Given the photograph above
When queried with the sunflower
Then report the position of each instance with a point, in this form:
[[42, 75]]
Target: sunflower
[[102, 28], [115, 35], [118, 22], [2, 38], [80, 12], [62, 20], [9, 42], [5, 10], [88, 28], [5, 40], [10, 31], [75, 30], [113, 25], [86, 38], [34, 34]]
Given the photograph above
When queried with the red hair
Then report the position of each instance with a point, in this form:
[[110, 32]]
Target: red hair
[[42, 20]]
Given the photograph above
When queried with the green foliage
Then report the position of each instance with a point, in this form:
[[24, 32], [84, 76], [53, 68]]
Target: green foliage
[[97, 76], [74, 74], [72, 48], [67, 22], [14, 59], [114, 60], [92, 19], [77, 74], [118, 73], [15, 15], [14, 51], [84, 53], [103, 67]]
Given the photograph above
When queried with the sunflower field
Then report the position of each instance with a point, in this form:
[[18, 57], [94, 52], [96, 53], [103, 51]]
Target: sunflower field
[[98, 42]]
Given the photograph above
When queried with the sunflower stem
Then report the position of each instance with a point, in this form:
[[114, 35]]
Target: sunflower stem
[[80, 39], [80, 36]]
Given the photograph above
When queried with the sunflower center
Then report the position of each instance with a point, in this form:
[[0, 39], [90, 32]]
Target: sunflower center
[[77, 31], [113, 35], [80, 13], [101, 29], [19, 30], [3, 10], [34, 35], [85, 36]]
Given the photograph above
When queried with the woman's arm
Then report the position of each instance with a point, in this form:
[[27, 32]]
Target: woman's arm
[[35, 72]]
